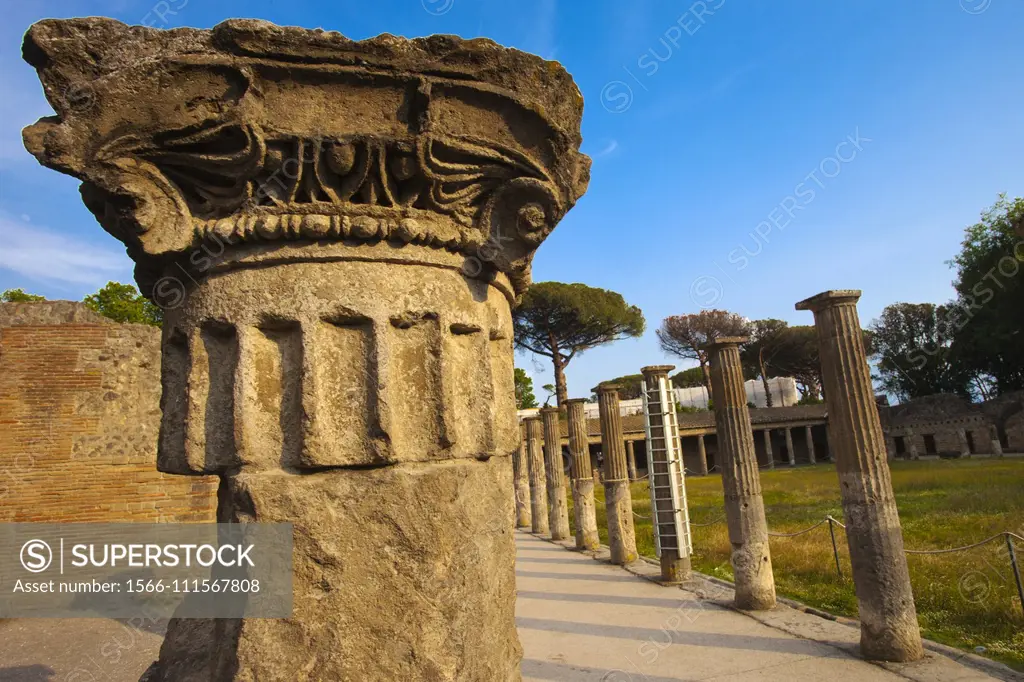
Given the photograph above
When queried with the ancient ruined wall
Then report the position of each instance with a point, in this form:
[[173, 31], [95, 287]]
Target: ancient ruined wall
[[79, 419]]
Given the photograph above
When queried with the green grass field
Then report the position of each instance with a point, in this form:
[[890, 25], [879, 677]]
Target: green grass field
[[965, 599]]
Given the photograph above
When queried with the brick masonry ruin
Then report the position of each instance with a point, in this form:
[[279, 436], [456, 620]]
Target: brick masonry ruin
[[79, 417]]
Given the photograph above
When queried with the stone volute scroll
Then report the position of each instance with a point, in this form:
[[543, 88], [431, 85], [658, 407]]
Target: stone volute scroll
[[337, 231]]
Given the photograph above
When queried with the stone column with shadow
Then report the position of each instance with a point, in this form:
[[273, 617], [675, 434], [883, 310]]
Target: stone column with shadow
[[521, 482], [809, 438], [581, 475], [769, 455], [631, 460], [889, 629], [702, 456], [617, 497], [337, 231], [790, 452], [741, 482], [554, 463], [539, 519]]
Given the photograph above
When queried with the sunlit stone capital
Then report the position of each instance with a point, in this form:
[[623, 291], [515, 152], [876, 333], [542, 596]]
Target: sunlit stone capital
[[263, 137]]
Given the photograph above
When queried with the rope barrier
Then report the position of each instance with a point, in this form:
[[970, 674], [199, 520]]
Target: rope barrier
[[799, 532], [957, 549]]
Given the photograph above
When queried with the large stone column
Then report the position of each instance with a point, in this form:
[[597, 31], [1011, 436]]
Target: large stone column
[[737, 459], [584, 511], [617, 498], [790, 452], [558, 506], [337, 231], [521, 478], [767, 434], [809, 436], [889, 629], [912, 450], [631, 460], [539, 519], [702, 456]]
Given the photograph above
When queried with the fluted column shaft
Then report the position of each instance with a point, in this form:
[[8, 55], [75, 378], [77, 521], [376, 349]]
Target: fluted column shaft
[[702, 456], [584, 511], [538, 477], [767, 434], [521, 482], [889, 629], [617, 497], [737, 459], [558, 506], [790, 452], [809, 435]]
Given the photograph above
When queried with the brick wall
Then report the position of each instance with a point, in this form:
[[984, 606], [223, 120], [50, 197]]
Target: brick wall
[[79, 419]]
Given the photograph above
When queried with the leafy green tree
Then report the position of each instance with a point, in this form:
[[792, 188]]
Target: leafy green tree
[[913, 351], [560, 321], [688, 378], [525, 399], [632, 385], [685, 335], [988, 315], [123, 303], [19, 296]]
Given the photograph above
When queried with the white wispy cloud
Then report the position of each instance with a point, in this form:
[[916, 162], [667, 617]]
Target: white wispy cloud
[[43, 254]]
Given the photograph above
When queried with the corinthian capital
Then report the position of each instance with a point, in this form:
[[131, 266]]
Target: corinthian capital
[[272, 139]]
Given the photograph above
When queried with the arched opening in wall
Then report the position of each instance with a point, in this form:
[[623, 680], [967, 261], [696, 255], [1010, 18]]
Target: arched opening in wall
[[901, 445], [970, 442], [929, 444]]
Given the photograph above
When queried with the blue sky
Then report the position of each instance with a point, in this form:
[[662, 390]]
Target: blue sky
[[746, 155]]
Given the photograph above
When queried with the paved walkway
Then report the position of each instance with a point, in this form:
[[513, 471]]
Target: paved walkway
[[579, 619]]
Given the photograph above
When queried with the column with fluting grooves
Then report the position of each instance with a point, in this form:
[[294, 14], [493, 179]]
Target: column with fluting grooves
[[702, 456], [538, 478], [617, 498], [768, 448], [631, 460], [889, 629], [790, 452], [521, 482], [584, 511], [737, 460], [558, 507], [809, 436]]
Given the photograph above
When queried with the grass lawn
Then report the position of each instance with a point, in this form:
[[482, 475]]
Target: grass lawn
[[965, 599]]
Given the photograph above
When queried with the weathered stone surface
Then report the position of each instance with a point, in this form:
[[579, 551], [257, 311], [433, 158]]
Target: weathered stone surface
[[538, 478], [618, 499], [584, 511], [521, 476], [702, 456], [337, 230], [888, 618], [744, 507], [554, 465], [631, 460]]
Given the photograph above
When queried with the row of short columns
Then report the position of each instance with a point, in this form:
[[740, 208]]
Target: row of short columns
[[889, 629]]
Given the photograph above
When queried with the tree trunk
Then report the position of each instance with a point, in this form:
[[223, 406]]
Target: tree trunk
[[561, 391], [707, 374], [764, 380]]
